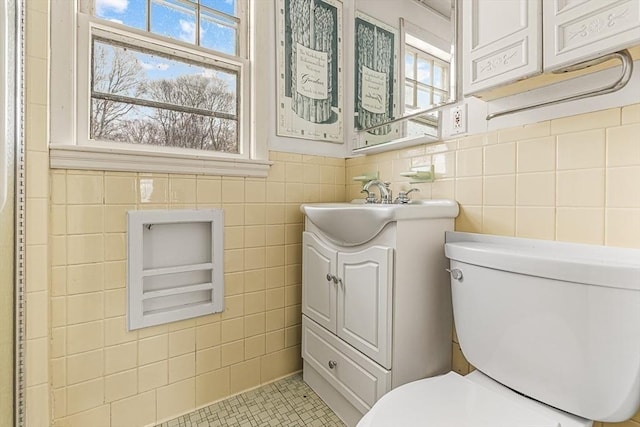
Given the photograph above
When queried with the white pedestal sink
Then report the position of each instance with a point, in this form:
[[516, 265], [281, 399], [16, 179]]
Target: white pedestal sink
[[352, 224]]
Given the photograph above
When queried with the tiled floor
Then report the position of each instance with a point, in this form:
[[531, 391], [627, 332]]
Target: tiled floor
[[288, 402]]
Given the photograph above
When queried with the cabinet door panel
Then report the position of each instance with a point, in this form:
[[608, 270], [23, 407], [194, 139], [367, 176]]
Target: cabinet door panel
[[318, 293], [364, 301], [501, 42], [576, 30]]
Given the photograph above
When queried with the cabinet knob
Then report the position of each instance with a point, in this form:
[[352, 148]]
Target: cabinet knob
[[332, 364], [332, 278]]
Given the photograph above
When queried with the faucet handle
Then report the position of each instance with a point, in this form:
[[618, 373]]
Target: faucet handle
[[403, 196], [370, 198]]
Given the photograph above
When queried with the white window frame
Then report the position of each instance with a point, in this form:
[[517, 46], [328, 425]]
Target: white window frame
[[418, 53], [70, 146]]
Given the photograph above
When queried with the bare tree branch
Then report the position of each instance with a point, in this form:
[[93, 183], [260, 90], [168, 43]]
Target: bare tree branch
[[118, 71]]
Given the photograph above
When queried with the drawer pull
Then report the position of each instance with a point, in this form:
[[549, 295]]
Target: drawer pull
[[332, 364]]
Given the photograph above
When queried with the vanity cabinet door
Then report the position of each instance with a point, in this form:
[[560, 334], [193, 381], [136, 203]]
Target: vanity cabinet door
[[577, 30], [318, 287], [365, 301], [501, 42]]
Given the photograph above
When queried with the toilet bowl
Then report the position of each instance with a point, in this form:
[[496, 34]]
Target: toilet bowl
[[452, 400], [552, 328]]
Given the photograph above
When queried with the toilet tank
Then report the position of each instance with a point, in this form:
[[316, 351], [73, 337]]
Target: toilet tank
[[557, 322]]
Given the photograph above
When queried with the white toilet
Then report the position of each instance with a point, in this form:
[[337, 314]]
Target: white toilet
[[552, 328]]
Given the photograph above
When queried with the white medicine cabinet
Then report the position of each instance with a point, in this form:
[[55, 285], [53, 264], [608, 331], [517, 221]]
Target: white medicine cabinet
[[506, 41]]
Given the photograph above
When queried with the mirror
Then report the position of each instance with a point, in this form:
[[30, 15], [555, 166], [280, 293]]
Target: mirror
[[404, 63]]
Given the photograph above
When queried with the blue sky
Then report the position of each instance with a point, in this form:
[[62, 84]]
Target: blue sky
[[175, 20]]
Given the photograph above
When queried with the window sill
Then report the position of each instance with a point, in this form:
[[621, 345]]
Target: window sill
[[117, 159]]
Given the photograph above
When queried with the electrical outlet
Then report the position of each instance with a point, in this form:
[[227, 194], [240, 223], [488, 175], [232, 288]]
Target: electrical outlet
[[458, 119]]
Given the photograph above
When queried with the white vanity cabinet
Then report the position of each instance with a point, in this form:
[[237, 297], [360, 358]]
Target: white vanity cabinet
[[349, 294], [376, 315], [506, 41]]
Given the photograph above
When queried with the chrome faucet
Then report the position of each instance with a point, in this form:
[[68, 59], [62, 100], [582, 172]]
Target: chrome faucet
[[383, 188]]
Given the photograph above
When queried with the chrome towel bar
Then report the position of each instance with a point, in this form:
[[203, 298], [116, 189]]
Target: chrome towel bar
[[627, 68]]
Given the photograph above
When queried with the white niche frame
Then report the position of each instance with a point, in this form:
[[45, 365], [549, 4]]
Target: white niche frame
[[174, 265]]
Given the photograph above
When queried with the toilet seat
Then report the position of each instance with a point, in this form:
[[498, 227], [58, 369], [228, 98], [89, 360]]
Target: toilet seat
[[452, 400]]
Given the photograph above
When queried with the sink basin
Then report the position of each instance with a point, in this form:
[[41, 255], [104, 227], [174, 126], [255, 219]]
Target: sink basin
[[351, 224]]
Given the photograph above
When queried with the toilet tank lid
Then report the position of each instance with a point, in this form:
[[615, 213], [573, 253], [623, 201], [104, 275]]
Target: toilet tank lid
[[572, 262]]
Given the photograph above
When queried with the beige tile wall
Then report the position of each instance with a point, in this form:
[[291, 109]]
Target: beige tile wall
[[103, 375], [573, 179], [37, 192]]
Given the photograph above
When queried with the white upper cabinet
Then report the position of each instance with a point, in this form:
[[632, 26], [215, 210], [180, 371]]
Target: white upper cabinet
[[576, 30], [508, 40], [501, 42]]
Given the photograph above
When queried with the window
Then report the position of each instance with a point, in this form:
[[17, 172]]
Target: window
[[426, 84], [139, 96], [160, 78]]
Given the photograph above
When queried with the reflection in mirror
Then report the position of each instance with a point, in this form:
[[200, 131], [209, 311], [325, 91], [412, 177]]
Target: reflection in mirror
[[376, 76], [404, 64], [426, 78]]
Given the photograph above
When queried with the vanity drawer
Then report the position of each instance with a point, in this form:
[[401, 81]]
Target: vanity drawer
[[359, 379]]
